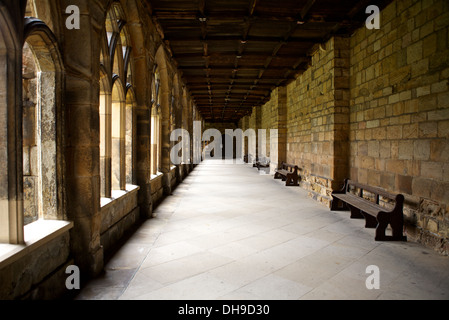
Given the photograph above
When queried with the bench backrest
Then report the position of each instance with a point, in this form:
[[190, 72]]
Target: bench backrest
[[290, 167], [398, 198], [264, 160]]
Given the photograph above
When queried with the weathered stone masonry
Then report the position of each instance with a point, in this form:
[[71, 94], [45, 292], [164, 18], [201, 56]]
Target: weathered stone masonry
[[375, 108], [400, 113], [77, 223]]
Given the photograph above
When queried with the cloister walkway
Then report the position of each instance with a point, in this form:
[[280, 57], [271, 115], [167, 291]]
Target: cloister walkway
[[229, 232]]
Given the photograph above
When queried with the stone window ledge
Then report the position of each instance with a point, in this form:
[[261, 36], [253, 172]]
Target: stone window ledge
[[117, 194], [156, 176], [37, 234]]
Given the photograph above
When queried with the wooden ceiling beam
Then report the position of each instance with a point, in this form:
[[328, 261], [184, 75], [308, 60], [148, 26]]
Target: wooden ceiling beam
[[252, 7], [202, 7], [224, 16], [231, 58], [305, 11], [197, 79], [248, 56], [186, 39]]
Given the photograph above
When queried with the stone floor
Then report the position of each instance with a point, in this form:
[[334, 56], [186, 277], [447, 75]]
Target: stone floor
[[229, 232]]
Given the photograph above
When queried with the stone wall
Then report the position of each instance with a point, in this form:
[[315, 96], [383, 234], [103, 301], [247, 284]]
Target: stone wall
[[311, 115], [317, 122], [157, 190], [271, 116], [38, 274], [399, 119], [375, 108], [118, 215], [74, 191]]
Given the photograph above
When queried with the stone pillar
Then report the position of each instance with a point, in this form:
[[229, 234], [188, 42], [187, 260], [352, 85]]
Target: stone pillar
[[165, 95], [178, 111], [318, 111], [278, 143], [257, 114], [82, 56], [340, 165], [143, 135], [11, 175]]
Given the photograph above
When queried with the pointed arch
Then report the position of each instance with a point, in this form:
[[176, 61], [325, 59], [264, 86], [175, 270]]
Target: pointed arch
[[105, 131], [155, 122], [165, 102], [47, 11], [130, 135], [118, 165], [43, 78], [116, 111]]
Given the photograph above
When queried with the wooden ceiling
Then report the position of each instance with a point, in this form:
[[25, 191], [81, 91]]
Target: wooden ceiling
[[233, 53]]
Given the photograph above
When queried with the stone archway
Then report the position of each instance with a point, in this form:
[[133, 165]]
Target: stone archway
[[164, 95], [42, 137]]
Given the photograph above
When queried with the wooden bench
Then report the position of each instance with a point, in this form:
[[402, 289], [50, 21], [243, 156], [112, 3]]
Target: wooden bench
[[263, 162], [376, 216], [288, 173], [255, 162]]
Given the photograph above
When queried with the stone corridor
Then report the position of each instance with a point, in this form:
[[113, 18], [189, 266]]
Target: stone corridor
[[107, 109], [230, 232]]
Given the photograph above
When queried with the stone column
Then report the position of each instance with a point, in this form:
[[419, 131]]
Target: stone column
[[82, 56], [190, 129], [165, 98], [257, 114], [11, 175], [278, 143], [340, 139], [142, 143]]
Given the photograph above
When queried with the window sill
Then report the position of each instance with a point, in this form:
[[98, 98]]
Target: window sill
[[117, 194], [156, 176], [37, 234]]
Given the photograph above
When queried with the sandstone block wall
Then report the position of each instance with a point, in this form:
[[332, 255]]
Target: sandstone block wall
[[399, 119], [70, 133], [317, 123], [118, 216], [375, 108], [40, 274]]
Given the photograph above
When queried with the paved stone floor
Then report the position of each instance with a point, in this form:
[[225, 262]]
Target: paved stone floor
[[229, 232]]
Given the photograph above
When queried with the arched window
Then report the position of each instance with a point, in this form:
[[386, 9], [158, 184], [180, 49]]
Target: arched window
[[41, 124], [117, 101], [155, 124], [118, 136], [130, 134], [31, 143], [105, 129]]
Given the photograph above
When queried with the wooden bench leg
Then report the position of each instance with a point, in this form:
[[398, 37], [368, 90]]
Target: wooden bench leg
[[338, 205], [291, 182], [380, 229], [397, 226], [370, 221], [355, 213]]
